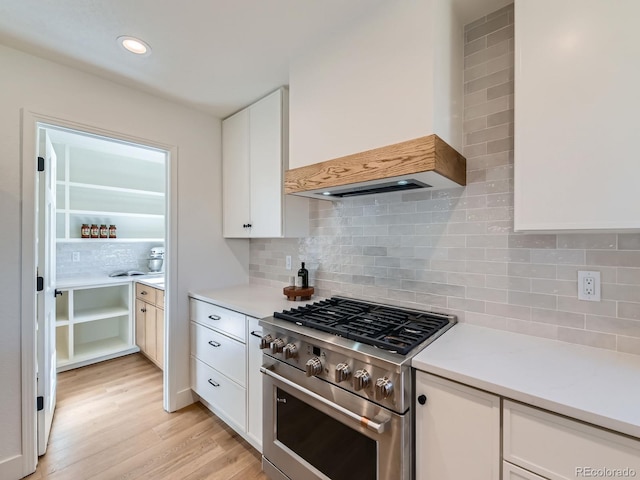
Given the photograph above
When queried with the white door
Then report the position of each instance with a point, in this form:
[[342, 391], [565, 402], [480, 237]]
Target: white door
[[46, 304]]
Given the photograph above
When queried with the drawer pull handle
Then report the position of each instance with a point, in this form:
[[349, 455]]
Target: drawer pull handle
[[143, 292], [213, 383], [214, 344], [256, 334], [214, 317], [143, 310]]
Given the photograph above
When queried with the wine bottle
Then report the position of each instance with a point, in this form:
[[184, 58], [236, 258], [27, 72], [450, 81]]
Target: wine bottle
[[303, 274]]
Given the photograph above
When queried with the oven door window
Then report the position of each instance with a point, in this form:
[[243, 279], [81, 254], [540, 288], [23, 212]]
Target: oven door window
[[338, 451]]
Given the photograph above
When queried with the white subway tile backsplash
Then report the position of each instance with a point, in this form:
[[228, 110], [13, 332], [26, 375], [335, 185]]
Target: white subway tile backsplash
[[606, 241], [101, 258], [532, 328], [629, 310], [585, 337], [628, 344], [454, 250], [522, 312], [556, 317], [629, 276]]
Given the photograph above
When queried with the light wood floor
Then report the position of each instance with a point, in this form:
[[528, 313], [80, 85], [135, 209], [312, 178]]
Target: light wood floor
[[109, 424]]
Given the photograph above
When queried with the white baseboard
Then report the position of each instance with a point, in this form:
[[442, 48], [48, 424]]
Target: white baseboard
[[13, 468], [183, 398]]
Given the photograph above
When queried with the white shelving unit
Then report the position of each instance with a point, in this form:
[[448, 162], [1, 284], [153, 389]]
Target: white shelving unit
[[93, 324], [111, 184]]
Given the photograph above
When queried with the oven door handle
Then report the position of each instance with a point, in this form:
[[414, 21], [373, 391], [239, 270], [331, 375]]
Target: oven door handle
[[364, 421]]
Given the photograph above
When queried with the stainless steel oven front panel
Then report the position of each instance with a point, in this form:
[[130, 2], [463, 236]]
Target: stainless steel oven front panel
[[315, 430]]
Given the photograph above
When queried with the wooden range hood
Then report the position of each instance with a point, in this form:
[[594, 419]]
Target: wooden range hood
[[419, 163]]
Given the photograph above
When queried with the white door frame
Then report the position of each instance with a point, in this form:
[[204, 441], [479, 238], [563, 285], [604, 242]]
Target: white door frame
[[30, 119]]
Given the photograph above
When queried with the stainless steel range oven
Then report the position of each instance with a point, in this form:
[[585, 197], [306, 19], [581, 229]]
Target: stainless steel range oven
[[337, 389]]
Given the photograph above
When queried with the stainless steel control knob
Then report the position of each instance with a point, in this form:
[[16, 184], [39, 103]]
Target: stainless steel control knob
[[290, 351], [361, 380], [265, 342], [277, 346], [384, 388], [314, 367], [343, 372]]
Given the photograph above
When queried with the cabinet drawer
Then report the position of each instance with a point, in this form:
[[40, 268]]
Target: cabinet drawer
[[220, 392], [220, 352], [558, 448], [226, 321], [146, 293], [160, 298], [511, 472]]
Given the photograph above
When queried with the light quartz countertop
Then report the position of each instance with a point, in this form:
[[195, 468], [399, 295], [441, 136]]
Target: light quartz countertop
[[154, 280], [590, 384], [257, 301]]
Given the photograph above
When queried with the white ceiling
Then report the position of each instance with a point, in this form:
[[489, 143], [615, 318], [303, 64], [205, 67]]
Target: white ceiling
[[214, 55]]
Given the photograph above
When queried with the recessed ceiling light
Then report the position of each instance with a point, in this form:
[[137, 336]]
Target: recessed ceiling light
[[403, 182], [326, 193], [134, 45]]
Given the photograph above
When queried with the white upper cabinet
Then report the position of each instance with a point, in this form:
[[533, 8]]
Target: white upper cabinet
[[235, 175], [576, 106], [254, 158]]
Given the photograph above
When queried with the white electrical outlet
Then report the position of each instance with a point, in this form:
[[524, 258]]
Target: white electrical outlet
[[76, 256], [288, 262], [589, 286]]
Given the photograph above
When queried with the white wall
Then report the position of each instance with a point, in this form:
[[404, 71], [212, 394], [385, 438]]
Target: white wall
[[205, 259]]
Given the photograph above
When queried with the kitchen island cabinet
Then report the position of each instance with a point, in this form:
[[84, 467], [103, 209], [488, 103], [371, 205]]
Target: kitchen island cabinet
[[576, 104], [254, 158]]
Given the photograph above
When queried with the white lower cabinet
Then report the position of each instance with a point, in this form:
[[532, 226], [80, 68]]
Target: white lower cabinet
[[457, 431], [557, 447], [458, 436], [226, 397], [225, 366], [254, 354], [511, 472], [220, 352]]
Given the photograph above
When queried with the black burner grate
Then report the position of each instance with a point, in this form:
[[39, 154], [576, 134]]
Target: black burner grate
[[391, 328]]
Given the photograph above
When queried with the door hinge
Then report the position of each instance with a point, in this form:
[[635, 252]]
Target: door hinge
[[39, 284], [40, 403], [41, 164]]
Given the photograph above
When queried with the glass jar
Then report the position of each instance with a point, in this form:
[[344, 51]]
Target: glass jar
[[104, 231], [112, 231], [85, 231], [95, 231]]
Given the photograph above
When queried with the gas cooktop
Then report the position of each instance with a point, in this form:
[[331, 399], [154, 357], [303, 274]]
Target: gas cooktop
[[391, 328]]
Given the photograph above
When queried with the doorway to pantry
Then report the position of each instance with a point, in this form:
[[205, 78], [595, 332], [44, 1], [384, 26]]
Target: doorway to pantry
[[108, 217]]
